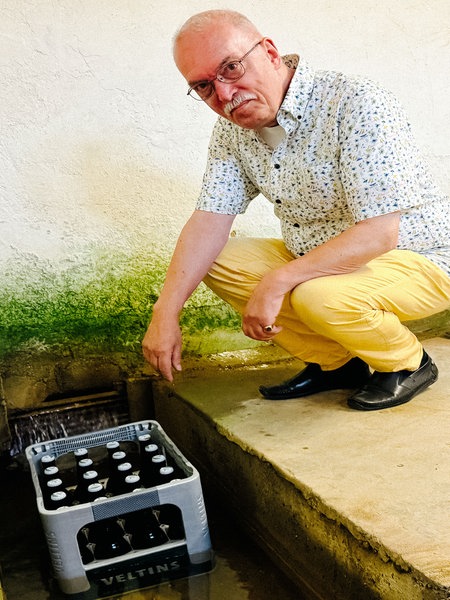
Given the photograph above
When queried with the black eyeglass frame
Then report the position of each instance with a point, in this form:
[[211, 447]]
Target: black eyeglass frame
[[220, 77]]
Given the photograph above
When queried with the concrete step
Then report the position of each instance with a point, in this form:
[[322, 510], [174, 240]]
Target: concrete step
[[352, 505]]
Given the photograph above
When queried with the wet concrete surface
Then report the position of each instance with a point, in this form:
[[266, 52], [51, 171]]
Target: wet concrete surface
[[242, 571]]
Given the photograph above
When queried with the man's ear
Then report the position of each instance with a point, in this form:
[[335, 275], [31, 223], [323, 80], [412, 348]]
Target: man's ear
[[272, 52]]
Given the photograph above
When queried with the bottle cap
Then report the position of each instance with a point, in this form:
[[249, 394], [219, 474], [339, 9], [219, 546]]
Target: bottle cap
[[158, 458], [112, 445], [85, 462], [80, 452], [151, 448], [95, 487], [52, 483], [124, 466], [49, 471], [145, 437], [132, 479], [47, 458], [166, 471], [58, 496], [90, 475], [120, 455]]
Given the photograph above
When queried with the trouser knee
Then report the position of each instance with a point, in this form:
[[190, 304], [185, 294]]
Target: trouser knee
[[320, 305]]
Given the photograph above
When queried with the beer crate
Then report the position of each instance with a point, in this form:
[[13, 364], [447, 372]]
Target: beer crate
[[185, 554]]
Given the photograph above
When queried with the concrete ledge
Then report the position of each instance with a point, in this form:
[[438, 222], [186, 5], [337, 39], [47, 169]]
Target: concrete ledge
[[351, 505]]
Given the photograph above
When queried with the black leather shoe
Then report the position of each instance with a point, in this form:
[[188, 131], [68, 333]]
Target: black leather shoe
[[313, 380], [384, 390]]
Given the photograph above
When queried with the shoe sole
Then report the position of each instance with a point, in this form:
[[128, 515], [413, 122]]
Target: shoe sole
[[306, 394]]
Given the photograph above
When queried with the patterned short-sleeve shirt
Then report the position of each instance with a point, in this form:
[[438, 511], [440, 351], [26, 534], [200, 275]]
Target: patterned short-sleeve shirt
[[348, 155]]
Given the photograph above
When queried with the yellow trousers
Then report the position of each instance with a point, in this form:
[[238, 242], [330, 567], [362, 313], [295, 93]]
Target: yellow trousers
[[329, 320]]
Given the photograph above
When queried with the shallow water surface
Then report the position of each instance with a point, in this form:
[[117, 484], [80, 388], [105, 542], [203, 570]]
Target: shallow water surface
[[242, 571]]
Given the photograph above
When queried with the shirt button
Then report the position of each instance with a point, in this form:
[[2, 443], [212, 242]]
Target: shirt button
[[277, 165], [296, 225], [278, 201]]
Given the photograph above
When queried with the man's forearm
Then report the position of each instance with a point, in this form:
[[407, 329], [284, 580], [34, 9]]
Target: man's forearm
[[200, 241]]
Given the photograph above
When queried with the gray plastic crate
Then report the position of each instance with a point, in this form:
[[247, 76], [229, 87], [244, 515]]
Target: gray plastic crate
[[138, 568]]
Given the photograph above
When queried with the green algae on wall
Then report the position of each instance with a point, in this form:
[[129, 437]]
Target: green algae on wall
[[103, 303]]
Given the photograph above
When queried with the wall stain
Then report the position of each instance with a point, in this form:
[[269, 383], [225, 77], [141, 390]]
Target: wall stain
[[104, 303]]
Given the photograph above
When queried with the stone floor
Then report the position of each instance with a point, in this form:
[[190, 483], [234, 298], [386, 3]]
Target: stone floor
[[352, 505]]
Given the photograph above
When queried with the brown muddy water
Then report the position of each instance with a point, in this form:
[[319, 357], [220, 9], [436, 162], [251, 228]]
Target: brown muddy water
[[242, 571]]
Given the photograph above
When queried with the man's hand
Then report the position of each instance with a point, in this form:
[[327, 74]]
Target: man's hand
[[345, 253], [262, 309], [200, 241], [162, 346]]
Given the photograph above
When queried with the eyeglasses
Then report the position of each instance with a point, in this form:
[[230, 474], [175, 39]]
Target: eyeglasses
[[227, 73]]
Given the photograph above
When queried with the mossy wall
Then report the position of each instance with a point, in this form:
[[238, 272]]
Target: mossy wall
[[102, 306]]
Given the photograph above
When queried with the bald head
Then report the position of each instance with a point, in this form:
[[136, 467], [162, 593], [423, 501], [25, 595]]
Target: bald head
[[201, 24]]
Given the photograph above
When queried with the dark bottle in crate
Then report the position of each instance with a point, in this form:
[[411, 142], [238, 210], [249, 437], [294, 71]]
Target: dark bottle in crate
[[95, 491], [117, 458], [83, 465], [58, 499], [108, 539], [158, 461], [49, 473], [144, 440], [116, 483], [166, 475], [85, 546], [147, 470], [81, 493], [132, 484], [171, 521], [112, 447], [53, 486], [144, 529], [48, 460], [80, 454]]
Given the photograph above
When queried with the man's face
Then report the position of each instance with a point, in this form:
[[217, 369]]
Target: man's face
[[253, 100]]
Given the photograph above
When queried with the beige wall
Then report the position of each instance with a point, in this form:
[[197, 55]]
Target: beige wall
[[100, 147]]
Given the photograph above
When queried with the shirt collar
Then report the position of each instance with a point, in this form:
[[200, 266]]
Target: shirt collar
[[299, 91]]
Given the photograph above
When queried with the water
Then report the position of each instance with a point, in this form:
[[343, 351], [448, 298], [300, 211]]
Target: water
[[242, 571]]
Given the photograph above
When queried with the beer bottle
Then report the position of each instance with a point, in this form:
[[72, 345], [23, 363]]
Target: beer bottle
[[80, 453], [53, 486], [49, 473], [132, 483], [117, 458], [48, 460], [108, 539], [58, 499], [147, 471], [144, 529], [158, 461], [85, 547], [166, 474], [112, 447], [95, 491], [116, 482], [83, 465], [171, 521], [81, 492], [144, 440]]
